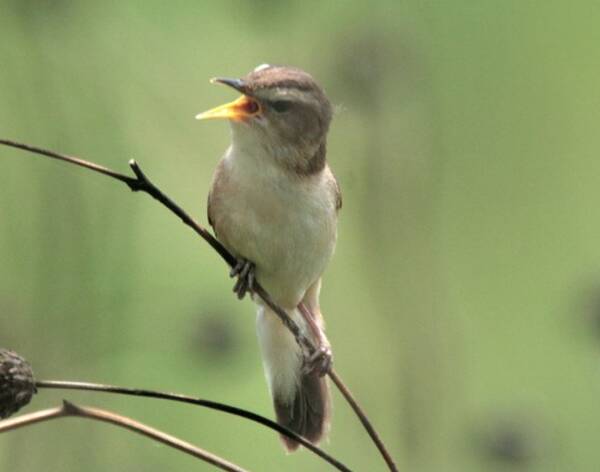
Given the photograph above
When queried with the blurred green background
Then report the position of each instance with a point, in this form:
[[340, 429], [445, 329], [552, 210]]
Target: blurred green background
[[463, 302]]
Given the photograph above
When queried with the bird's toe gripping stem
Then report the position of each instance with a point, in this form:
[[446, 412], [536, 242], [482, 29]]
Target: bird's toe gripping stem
[[320, 361], [244, 271]]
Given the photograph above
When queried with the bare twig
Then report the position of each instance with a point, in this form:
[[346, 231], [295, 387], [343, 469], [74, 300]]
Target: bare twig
[[143, 184], [363, 419], [69, 409], [61, 384]]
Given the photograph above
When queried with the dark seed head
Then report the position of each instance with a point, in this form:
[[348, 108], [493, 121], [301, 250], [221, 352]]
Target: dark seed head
[[17, 384]]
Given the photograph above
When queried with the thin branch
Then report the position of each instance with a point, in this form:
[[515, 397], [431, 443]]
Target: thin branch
[[143, 184], [130, 181], [232, 410], [69, 409], [363, 419]]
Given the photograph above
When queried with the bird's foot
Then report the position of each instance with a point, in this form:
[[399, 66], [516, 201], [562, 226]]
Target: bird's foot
[[320, 361], [244, 271]]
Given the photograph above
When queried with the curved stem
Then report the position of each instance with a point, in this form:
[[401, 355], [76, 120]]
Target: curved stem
[[31, 418], [232, 410], [363, 419], [69, 409], [130, 181], [143, 184]]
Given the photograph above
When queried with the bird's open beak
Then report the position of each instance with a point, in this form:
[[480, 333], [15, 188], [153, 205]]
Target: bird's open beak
[[238, 110]]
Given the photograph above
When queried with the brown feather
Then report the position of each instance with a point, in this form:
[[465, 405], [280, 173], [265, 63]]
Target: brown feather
[[309, 413], [218, 181], [281, 76], [337, 192]]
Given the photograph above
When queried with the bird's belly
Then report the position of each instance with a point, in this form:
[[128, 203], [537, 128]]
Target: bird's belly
[[289, 240]]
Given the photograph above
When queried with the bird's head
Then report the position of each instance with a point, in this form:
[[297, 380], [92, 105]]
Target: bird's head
[[282, 113]]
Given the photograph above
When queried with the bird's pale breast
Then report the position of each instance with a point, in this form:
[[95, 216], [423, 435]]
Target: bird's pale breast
[[286, 226]]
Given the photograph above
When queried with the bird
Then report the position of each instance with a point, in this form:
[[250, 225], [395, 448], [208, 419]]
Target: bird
[[274, 203]]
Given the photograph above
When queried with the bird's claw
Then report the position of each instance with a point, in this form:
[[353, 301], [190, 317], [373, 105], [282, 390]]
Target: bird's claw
[[244, 271], [319, 361]]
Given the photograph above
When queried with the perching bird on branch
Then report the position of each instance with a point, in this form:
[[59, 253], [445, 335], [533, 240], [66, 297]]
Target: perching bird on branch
[[274, 203]]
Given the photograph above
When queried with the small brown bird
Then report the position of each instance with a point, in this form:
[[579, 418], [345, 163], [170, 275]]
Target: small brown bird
[[274, 203]]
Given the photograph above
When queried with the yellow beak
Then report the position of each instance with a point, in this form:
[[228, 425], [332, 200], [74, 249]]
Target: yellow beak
[[240, 109]]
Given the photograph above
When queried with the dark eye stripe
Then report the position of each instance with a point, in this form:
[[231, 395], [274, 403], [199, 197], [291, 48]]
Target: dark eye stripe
[[281, 106]]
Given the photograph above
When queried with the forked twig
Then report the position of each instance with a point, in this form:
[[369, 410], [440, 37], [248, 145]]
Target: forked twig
[[69, 409], [249, 415], [143, 184]]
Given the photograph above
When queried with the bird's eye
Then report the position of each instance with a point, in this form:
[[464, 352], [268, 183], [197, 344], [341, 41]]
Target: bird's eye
[[281, 106]]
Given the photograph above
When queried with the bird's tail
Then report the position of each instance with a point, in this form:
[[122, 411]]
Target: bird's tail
[[302, 401]]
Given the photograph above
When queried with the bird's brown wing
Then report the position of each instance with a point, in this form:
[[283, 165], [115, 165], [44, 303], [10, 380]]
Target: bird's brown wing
[[335, 187], [338, 196], [217, 181], [208, 208]]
